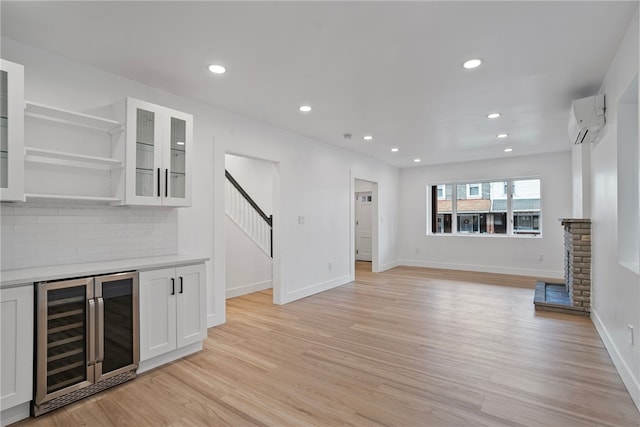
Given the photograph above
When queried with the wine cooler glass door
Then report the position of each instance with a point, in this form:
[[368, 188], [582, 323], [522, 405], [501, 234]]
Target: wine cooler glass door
[[117, 324], [64, 338]]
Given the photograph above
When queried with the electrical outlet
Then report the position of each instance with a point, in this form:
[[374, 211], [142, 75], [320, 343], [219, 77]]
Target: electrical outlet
[[417, 251], [301, 220], [541, 258], [330, 266], [630, 334]]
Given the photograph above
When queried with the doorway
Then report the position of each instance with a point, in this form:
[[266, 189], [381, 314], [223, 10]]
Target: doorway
[[364, 227], [251, 206]]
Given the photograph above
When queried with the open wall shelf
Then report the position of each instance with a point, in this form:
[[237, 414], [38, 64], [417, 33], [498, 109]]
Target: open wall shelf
[[36, 196], [72, 118], [38, 155]]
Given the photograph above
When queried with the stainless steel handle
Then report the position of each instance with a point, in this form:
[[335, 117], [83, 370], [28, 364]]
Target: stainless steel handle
[[166, 183], [173, 286], [92, 332], [158, 182], [100, 330], [181, 284]]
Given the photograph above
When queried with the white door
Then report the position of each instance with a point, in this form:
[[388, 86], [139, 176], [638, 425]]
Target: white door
[[363, 226], [191, 304], [158, 289]]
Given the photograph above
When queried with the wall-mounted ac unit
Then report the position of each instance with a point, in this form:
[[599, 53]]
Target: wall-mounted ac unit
[[586, 119]]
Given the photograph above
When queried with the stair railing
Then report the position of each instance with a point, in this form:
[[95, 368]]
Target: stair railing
[[246, 213]]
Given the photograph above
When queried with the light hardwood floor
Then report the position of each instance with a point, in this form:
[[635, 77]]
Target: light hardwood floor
[[407, 347]]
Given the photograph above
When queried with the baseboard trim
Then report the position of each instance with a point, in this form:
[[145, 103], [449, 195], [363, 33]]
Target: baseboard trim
[[15, 414], [388, 266], [163, 359], [215, 320], [621, 366], [547, 274], [316, 288], [247, 289]]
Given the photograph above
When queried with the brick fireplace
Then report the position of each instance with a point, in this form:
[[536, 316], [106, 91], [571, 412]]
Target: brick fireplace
[[574, 295], [577, 262]]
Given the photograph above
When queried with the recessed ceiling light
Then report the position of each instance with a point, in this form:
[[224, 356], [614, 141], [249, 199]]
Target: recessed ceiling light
[[367, 137], [395, 150], [508, 150], [502, 135], [472, 63], [493, 115], [180, 142], [305, 108], [417, 160], [217, 69]]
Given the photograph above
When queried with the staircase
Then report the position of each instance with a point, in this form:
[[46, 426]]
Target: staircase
[[247, 215]]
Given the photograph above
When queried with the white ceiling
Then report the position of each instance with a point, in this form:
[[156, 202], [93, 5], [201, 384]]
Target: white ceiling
[[389, 69]]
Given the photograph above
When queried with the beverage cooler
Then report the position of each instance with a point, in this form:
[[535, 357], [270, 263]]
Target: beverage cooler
[[87, 333]]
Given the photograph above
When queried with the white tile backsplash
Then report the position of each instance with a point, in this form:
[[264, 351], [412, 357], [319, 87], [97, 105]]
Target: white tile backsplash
[[35, 235]]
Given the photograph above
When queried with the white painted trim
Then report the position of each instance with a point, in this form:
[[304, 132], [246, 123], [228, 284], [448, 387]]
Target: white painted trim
[[214, 320], [388, 266], [621, 366], [15, 414], [247, 289], [547, 274], [165, 358], [316, 288]]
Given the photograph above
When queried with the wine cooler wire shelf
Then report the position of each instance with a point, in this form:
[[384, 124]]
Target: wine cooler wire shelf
[[65, 342]]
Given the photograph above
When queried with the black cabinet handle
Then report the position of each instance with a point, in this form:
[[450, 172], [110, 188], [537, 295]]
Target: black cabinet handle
[[158, 182], [181, 283], [166, 183], [173, 286]]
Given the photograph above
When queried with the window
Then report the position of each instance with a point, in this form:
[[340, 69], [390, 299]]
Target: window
[[474, 191], [504, 207]]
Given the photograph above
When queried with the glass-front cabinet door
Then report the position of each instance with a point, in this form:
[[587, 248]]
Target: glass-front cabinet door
[[159, 144], [177, 159], [144, 153], [11, 131]]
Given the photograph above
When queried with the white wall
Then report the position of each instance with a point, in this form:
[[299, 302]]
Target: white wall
[[615, 294], [314, 180], [363, 186], [498, 254], [248, 268], [35, 235]]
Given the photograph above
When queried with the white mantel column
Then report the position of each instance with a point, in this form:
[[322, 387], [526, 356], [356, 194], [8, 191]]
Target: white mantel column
[[581, 175]]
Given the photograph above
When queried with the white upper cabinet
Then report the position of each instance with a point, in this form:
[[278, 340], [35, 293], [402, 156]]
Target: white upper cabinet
[[159, 146], [12, 131]]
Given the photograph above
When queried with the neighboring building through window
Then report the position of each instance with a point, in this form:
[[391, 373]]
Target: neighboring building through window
[[497, 207]]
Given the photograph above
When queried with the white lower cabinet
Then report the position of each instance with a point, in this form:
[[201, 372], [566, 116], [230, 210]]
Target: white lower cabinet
[[16, 348], [172, 309]]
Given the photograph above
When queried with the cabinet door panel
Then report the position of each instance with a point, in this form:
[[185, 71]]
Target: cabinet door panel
[[16, 346], [144, 142], [157, 312], [191, 304], [11, 131], [177, 160]]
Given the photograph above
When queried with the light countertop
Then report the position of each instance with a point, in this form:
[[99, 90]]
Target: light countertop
[[28, 276]]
